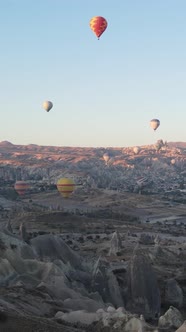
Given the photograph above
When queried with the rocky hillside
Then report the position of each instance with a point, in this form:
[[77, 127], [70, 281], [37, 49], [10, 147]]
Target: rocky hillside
[[108, 259], [153, 169], [119, 281]]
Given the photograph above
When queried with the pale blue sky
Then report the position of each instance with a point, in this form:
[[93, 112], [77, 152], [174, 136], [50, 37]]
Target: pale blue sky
[[104, 92]]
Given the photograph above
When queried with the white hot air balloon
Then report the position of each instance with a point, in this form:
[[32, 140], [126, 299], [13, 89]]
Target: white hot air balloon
[[47, 105], [136, 149], [154, 123], [106, 157]]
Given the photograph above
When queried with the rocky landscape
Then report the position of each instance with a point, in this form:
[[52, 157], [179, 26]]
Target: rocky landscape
[[110, 258]]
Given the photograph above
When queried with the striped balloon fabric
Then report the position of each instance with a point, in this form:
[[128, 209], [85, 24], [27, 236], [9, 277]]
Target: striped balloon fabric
[[65, 187], [21, 187]]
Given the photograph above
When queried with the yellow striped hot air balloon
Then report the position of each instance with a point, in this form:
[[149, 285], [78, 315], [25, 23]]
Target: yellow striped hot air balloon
[[65, 187], [21, 187]]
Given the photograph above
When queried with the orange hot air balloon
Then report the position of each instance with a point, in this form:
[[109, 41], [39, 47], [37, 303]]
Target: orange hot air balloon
[[65, 187], [21, 187], [98, 25]]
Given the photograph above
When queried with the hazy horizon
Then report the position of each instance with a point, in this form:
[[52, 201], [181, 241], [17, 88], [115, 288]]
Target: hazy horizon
[[86, 146]]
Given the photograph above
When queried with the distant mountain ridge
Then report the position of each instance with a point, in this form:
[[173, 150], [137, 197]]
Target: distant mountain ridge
[[9, 144], [6, 143], [177, 145]]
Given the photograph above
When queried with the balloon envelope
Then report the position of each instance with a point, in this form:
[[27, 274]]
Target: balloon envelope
[[47, 105], [65, 187], [141, 182], [98, 25], [136, 149], [106, 157], [154, 123], [21, 187]]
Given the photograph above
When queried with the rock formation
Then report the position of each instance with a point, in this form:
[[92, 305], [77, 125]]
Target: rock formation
[[143, 292]]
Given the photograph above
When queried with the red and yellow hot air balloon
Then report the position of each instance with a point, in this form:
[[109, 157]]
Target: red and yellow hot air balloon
[[21, 187], [65, 187], [98, 25]]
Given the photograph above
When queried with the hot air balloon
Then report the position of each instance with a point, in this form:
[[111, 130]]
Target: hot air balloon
[[65, 187], [106, 157], [47, 105], [136, 149], [142, 181], [98, 25], [21, 187], [154, 123]]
